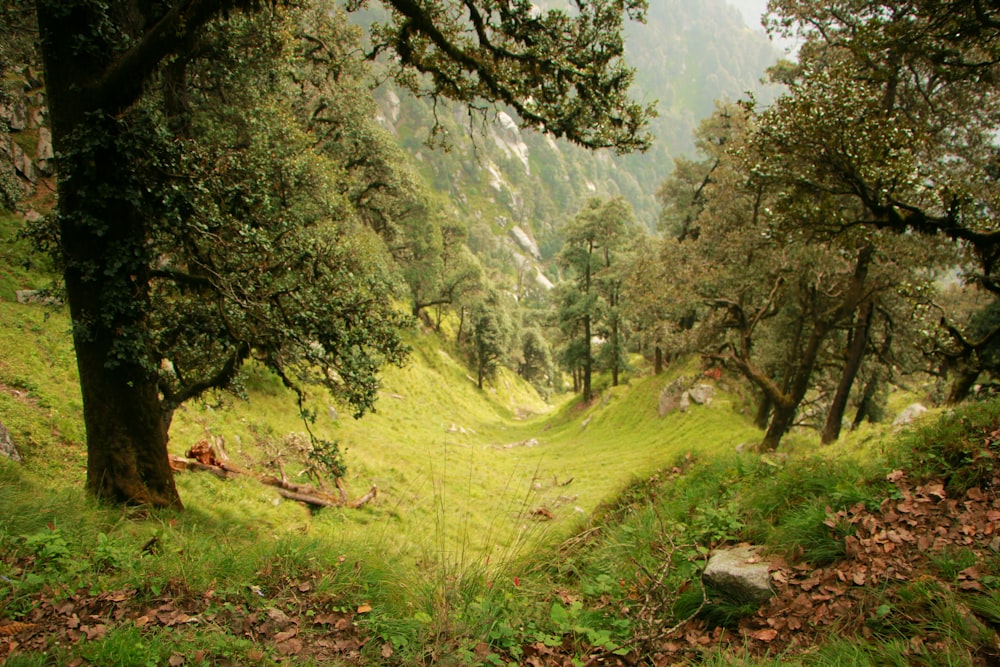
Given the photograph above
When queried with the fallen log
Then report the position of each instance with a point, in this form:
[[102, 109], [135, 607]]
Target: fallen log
[[303, 493], [365, 499], [304, 498]]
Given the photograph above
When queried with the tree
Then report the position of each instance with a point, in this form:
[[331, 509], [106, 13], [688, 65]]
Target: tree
[[593, 239], [117, 77], [492, 332], [536, 364], [894, 110]]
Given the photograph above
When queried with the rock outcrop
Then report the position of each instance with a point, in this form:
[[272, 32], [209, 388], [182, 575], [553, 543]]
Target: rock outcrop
[[7, 448]]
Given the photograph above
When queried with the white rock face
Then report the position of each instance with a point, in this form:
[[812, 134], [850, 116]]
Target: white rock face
[[507, 136], [497, 181], [526, 243], [543, 281]]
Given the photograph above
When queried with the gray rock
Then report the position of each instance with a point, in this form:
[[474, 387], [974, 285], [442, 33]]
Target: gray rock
[[670, 396], [43, 151], [702, 394], [909, 414], [668, 401], [36, 296], [7, 448], [16, 114], [685, 402], [739, 574]]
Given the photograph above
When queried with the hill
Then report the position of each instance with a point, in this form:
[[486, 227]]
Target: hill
[[506, 531]]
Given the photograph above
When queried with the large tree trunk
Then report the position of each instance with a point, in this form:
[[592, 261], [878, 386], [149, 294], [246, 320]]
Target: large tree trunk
[[104, 250], [657, 360], [855, 354], [106, 279]]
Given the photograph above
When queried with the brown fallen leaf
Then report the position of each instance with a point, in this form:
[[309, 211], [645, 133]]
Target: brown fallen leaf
[[286, 635], [176, 660], [290, 647], [765, 635], [387, 650], [16, 627], [364, 608]]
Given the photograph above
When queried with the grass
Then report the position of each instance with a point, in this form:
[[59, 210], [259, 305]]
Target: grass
[[502, 522]]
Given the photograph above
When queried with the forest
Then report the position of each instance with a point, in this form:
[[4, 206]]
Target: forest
[[473, 332]]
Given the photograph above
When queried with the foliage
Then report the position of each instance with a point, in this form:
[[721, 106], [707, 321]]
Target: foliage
[[590, 303], [214, 180]]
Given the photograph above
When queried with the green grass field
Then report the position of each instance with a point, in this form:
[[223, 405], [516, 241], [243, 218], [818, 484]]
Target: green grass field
[[505, 530]]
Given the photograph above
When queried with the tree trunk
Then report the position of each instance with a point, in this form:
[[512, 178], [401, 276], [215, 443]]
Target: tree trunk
[[855, 354], [105, 259], [657, 360], [866, 402], [764, 407], [782, 420], [588, 362], [963, 384], [461, 325]]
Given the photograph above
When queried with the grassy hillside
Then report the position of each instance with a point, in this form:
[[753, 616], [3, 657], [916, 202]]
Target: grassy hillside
[[505, 531]]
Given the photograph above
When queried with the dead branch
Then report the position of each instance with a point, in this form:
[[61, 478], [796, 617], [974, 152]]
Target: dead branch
[[303, 493]]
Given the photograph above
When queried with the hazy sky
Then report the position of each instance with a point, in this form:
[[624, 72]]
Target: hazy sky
[[751, 10]]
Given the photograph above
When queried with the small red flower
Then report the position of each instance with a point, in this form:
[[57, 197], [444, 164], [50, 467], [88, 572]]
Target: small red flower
[[517, 582]]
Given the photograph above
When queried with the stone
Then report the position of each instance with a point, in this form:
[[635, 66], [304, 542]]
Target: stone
[[7, 448], [909, 414], [670, 396], [36, 296], [525, 242], [685, 402], [702, 394], [16, 114], [739, 574], [43, 151]]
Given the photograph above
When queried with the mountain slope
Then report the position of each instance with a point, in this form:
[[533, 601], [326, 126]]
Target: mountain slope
[[688, 54]]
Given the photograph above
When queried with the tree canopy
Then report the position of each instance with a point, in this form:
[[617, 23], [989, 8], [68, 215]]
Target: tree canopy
[[223, 193]]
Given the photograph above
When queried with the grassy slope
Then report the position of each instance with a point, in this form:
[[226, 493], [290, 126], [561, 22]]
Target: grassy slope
[[463, 476]]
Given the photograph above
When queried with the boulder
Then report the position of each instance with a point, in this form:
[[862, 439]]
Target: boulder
[[44, 152], [739, 574], [7, 448], [909, 414], [43, 297], [668, 401], [685, 402], [670, 396], [702, 394], [16, 114]]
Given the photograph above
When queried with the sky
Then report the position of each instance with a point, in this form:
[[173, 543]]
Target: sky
[[752, 10]]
